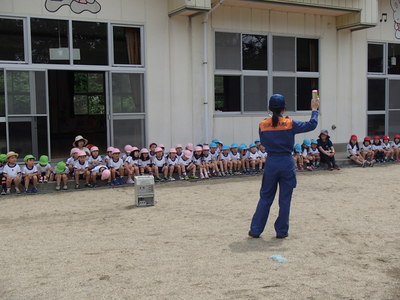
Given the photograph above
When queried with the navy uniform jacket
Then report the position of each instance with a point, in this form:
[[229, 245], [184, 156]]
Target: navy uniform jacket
[[280, 139]]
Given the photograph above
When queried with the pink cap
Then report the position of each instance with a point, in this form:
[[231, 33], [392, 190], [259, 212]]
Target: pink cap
[[178, 146], [110, 149], [172, 150], [198, 148], [74, 150], [94, 148], [81, 153], [144, 150], [105, 174], [116, 150], [189, 146], [206, 147], [128, 148], [134, 149], [158, 149], [187, 154], [161, 146]]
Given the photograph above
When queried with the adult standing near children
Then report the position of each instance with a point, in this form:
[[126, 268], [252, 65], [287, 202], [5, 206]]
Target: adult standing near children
[[277, 136], [80, 142]]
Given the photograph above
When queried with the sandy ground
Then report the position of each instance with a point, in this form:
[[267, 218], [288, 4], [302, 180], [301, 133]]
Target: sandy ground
[[343, 244]]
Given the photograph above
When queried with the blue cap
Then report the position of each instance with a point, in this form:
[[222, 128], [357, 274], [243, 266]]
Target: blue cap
[[297, 148], [243, 146], [307, 142], [215, 141], [277, 101], [225, 147], [314, 142], [213, 145], [257, 141], [252, 145], [234, 145]]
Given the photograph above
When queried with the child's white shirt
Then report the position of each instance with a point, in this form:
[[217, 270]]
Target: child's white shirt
[[71, 161], [66, 171], [352, 149], [386, 146], [197, 161], [253, 155], [223, 157], [262, 154], [78, 166], [98, 168], [25, 170], [214, 156], [395, 146], [1, 168], [304, 153], [207, 158], [12, 171], [172, 162], [376, 147], [92, 160], [184, 162], [112, 164], [365, 148], [41, 168], [144, 163], [245, 156], [312, 151], [235, 156], [159, 162]]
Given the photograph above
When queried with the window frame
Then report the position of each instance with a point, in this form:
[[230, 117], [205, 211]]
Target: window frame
[[26, 40], [269, 73]]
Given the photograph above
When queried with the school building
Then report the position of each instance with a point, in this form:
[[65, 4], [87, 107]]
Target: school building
[[177, 71]]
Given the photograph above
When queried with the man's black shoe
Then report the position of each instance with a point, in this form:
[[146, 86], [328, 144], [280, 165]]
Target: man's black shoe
[[253, 235], [282, 236]]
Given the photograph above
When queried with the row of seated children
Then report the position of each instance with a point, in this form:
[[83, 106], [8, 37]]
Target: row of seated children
[[12, 174], [374, 150]]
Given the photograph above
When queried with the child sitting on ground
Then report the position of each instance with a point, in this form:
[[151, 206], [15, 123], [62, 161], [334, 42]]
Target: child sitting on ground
[[30, 174], [159, 165], [61, 174], [387, 148], [235, 159], [132, 164], [207, 161], [145, 162], [308, 159], [254, 159], [81, 170], [315, 153], [215, 158], [353, 150], [102, 172], [226, 161], [12, 172], [366, 151], [94, 159], [44, 169], [244, 157], [197, 159], [396, 147], [72, 160], [187, 165], [298, 158], [263, 154], [379, 154], [108, 156], [116, 166], [172, 164]]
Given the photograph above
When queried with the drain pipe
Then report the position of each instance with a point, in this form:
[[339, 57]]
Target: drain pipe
[[205, 69]]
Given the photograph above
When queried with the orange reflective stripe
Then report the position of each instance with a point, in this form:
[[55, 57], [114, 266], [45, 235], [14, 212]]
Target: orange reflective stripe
[[283, 124]]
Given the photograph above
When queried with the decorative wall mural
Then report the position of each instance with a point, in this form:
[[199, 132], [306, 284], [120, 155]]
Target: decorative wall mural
[[396, 16], [77, 6]]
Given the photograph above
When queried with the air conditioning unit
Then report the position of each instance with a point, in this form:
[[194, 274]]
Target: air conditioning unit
[[144, 191], [188, 7]]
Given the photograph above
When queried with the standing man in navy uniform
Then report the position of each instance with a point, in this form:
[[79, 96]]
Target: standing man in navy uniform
[[277, 136]]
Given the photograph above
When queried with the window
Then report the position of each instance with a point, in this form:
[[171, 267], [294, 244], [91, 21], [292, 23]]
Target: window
[[307, 55], [394, 122], [49, 41], [255, 93], [89, 93], [376, 125], [227, 51], [375, 58], [376, 94], [291, 68], [255, 52], [127, 45], [90, 43], [127, 92], [286, 86], [394, 94], [227, 93], [394, 59], [304, 91], [12, 40]]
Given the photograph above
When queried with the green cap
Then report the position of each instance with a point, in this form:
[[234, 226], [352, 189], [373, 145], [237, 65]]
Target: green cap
[[29, 156], [3, 158], [60, 167], [44, 160]]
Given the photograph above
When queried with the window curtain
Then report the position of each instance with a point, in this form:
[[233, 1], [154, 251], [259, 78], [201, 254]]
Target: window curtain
[[132, 36]]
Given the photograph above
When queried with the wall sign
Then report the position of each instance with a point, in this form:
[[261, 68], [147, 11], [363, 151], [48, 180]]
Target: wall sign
[[395, 4], [77, 6]]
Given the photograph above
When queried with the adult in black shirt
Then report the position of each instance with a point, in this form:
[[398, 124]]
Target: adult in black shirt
[[327, 151]]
